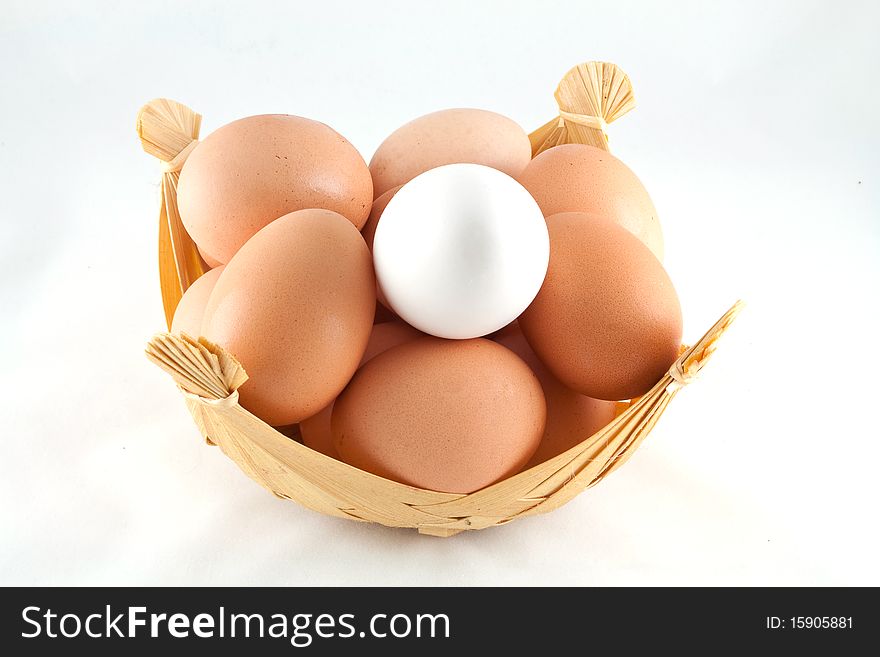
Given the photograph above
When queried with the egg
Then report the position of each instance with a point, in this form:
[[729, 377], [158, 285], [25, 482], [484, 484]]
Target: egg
[[295, 306], [369, 233], [460, 251], [315, 430], [447, 137], [291, 431], [444, 415], [607, 321], [191, 307], [254, 170], [580, 178], [383, 315], [571, 416], [211, 262], [378, 207]]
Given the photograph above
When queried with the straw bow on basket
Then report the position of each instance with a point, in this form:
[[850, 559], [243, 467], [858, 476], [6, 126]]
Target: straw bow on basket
[[589, 97], [170, 131]]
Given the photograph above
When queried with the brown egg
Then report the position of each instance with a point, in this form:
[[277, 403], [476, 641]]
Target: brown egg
[[383, 315], [444, 415], [315, 430], [211, 262], [580, 178], [448, 137], [369, 229], [369, 232], [295, 307], [571, 416], [291, 431], [254, 170], [606, 322], [191, 307]]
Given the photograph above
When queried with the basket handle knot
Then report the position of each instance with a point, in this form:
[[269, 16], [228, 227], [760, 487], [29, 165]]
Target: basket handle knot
[[681, 375], [169, 131], [590, 96], [175, 164], [586, 120], [692, 359], [199, 367]]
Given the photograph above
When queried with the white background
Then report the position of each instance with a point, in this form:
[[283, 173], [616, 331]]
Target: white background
[[756, 132]]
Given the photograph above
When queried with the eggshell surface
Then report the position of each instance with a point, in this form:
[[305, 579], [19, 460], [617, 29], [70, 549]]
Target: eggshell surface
[[191, 307], [449, 136], [378, 207], [254, 170], [607, 321], [383, 315], [580, 178], [315, 430], [460, 251], [451, 416], [571, 416], [295, 307], [369, 233], [211, 262]]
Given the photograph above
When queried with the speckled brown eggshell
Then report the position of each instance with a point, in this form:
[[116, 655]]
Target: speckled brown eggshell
[[607, 321], [295, 307], [571, 416], [191, 307], [369, 232], [444, 415], [211, 262], [580, 178], [378, 207], [448, 137], [254, 170], [315, 430]]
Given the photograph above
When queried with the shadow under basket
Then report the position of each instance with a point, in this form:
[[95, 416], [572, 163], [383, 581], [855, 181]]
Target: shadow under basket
[[209, 377]]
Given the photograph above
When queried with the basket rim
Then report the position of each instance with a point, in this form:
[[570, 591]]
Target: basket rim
[[247, 440]]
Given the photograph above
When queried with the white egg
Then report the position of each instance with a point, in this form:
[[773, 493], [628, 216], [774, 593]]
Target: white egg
[[461, 251]]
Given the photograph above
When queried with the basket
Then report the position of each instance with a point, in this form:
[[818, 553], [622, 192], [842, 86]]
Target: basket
[[589, 97]]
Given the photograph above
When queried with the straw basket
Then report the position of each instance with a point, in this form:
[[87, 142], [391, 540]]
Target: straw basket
[[589, 97]]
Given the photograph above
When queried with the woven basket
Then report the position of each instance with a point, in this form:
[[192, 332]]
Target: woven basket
[[590, 96]]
